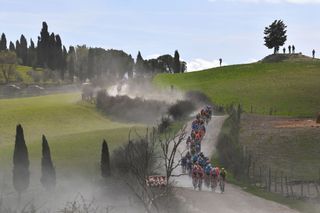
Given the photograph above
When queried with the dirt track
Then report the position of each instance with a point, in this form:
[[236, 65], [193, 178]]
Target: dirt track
[[234, 200]]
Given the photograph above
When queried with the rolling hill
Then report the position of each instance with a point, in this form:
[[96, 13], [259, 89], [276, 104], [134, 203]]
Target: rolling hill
[[288, 87]]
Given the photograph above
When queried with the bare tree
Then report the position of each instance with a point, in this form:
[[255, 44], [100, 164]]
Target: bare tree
[[134, 163], [170, 147], [140, 159]]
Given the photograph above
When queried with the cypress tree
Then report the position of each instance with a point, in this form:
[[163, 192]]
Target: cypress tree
[[91, 63], [177, 65], [139, 66], [32, 55], [3, 42], [58, 54], [12, 47], [105, 160], [21, 174], [18, 49], [64, 62], [130, 66], [43, 45], [51, 62], [48, 177], [23, 50], [71, 62]]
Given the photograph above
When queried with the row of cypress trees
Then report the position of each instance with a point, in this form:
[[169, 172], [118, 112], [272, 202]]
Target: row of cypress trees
[[21, 173]]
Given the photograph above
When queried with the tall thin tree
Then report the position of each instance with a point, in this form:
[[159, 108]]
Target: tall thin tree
[[176, 61], [43, 45], [139, 65], [18, 49], [105, 160], [48, 177], [32, 55], [71, 62], [12, 47], [63, 62], [21, 174], [3, 42], [23, 50]]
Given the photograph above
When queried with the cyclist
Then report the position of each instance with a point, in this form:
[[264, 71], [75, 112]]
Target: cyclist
[[222, 179]]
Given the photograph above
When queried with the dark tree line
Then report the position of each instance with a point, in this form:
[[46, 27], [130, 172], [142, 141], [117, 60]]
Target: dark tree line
[[86, 63], [162, 64]]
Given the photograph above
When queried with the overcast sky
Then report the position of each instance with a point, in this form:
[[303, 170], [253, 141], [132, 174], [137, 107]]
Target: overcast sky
[[202, 30]]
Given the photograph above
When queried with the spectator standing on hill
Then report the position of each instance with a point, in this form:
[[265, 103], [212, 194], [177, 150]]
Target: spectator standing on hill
[[289, 49], [220, 61], [293, 49], [284, 50], [313, 53]]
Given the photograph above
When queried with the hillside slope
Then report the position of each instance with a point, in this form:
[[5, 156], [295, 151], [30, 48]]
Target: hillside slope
[[74, 130], [289, 88]]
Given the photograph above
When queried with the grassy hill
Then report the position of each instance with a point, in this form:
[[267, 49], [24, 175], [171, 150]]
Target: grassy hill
[[74, 130], [290, 87]]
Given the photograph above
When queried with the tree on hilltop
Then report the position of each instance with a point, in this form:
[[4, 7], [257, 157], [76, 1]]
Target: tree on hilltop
[[177, 63], [3, 42], [275, 35]]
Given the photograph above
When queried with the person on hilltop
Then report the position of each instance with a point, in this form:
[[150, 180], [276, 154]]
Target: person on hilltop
[[284, 50], [293, 49], [289, 48], [220, 61], [313, 53]]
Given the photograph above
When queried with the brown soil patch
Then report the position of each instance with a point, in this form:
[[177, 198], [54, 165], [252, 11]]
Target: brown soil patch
[[296, 123]]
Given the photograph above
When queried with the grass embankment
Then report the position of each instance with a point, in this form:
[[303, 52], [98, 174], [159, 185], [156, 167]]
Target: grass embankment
[[22, 75], [299, 205], [291, 151], [294, 151], [74, 131], [290, 88]]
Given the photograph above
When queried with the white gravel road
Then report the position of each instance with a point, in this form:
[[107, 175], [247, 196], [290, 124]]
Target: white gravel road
[[234, 200]]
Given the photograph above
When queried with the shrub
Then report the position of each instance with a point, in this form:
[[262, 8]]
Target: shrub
[[164, 124], [131, 109], [198, 97], [181, 109]]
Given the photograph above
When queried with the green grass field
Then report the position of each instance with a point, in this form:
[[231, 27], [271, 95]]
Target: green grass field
[[291, 88], [74, 130]]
